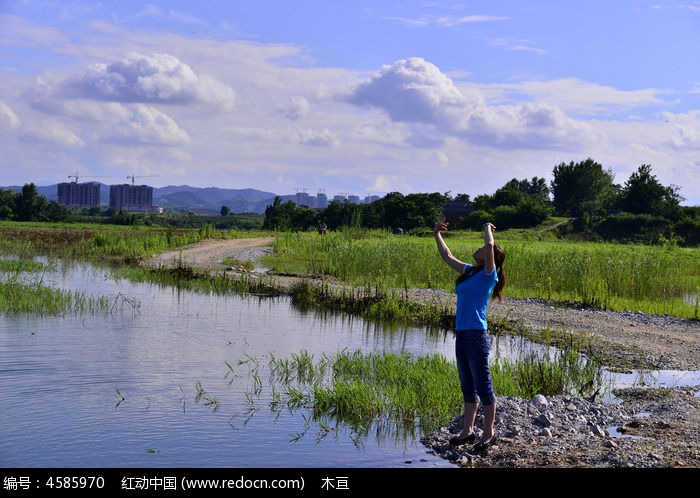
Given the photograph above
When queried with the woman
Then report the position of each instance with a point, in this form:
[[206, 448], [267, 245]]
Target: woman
[[476, 285]]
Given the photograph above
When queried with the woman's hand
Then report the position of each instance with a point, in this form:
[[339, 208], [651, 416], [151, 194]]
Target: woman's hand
[[441, 226]]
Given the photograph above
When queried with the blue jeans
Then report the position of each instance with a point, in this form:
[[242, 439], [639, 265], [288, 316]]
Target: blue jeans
[[472, 353]]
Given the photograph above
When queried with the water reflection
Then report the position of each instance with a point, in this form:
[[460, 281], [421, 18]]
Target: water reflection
[[656, 378]]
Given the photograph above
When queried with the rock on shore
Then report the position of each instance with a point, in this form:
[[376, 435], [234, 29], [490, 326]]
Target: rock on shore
[[645, 428]]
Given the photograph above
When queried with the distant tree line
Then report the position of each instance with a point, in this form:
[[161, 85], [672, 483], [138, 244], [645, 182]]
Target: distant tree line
[[28, 205], [642, 210]]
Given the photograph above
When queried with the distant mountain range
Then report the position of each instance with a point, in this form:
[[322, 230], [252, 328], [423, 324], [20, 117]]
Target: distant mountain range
[[183, 198], [208, 200]]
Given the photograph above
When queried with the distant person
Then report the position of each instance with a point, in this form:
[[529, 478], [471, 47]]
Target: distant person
[[476, 286], [322, 227]]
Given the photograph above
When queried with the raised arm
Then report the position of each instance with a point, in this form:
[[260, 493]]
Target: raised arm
[[444, 251], [489, 258]]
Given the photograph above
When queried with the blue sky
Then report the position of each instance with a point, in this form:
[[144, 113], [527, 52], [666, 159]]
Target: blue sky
[[361, 97]]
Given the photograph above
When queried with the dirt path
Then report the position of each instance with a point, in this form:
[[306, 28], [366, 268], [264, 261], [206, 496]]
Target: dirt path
[[211, 253], [663, 342]]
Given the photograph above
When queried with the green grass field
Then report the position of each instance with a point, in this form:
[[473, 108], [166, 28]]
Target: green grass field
[[651, 279]]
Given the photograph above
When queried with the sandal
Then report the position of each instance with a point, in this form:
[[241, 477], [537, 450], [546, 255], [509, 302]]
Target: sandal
[[484, 445], [457, 440]]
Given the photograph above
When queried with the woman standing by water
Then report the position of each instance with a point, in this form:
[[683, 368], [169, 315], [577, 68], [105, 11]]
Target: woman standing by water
[[476, 285]]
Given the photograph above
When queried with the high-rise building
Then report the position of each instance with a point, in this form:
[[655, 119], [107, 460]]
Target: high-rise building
[[75, 195], [127, 197], [303, 199]]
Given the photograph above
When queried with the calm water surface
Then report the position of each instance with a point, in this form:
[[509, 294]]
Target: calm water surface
[[62, 380], [149, 383]]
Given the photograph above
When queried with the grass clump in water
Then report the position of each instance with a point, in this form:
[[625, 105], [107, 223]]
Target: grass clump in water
[[400, 394], [565, 373], [22, 290], [361, 389]]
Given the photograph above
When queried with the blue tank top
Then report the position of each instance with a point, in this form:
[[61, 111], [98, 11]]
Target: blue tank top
[[473, 295]]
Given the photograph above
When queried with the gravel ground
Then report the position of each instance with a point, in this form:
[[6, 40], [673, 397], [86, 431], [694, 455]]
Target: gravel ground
[[649, 428]]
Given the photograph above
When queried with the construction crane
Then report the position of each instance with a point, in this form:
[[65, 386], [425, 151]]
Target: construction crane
[[84, 176], [133, 177]]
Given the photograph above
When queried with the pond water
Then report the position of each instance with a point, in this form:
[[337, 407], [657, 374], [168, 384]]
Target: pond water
[[169, 378]]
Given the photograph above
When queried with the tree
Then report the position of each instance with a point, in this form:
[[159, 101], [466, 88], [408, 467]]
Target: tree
[[536, 189], [410, 211], [225, 211], [508, 195], [583, 187], [29, 205], [284, 216], [55, 212], [303, 218], [7, 204], [518, 204], [643, 194], [334, 214], [482, 202], [373, 214]]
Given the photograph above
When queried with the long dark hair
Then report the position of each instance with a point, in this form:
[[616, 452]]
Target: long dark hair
[[499, 256]]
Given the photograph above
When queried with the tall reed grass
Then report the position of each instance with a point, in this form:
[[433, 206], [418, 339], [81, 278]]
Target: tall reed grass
[[651, 279]]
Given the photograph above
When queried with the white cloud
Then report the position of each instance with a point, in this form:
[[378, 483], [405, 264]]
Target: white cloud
[[685, 130], [517, 45], [7, 116], [384, 183], [524, 47], [15, 30], [52, 132], [414, 90], [323, 138], [527, 126], [155, 78], [118, 123], [146, 125], [445, 21], [297, 108], [573, 94]]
